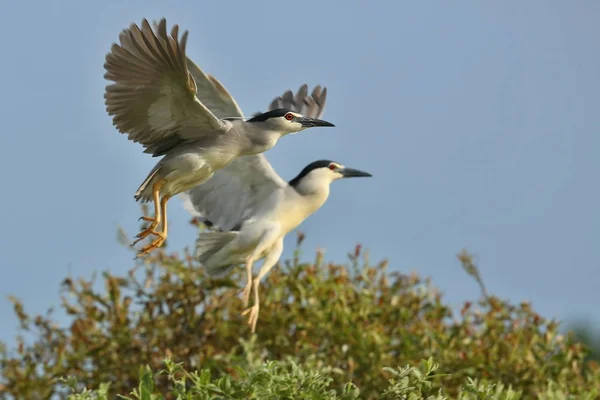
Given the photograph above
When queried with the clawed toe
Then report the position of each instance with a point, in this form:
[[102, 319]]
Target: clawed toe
[[253, 317], [153, 245]]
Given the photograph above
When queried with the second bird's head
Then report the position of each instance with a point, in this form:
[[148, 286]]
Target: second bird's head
[[324, 172], [286, 121]]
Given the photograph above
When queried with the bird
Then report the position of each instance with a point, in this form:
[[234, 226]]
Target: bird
[[164, 101], [249, 209]]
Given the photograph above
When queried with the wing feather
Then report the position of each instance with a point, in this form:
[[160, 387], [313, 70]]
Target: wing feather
[[209, 90], [311, 105], [233, 193], [154, 93]]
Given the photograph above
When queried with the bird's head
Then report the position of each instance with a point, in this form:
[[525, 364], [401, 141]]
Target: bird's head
[[324, 172], [286, 121]]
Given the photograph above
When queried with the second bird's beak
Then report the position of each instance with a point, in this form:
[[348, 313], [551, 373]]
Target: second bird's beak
[[311, 122], [353, 173]]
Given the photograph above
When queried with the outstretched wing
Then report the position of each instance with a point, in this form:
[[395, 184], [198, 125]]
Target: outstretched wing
[[233, 193], [213, 94], [153, 98], [310, 106], [236, 191], [210, 91]]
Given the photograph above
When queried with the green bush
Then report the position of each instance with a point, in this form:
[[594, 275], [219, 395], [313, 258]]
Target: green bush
[[321, 326], [274, 381]]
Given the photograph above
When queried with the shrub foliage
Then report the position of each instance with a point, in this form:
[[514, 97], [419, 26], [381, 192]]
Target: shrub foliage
[[321, 326]]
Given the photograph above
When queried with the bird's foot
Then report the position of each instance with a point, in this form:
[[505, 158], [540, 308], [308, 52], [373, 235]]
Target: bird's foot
[[253, 318], [150, 230], [155, 244], [142, 235], [246, 293]]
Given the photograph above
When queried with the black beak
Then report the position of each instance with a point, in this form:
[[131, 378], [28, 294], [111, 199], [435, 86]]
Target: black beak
[[353, 173], [311, 122]]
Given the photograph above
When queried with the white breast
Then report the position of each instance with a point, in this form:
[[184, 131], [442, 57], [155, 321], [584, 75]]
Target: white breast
[[295, 207]]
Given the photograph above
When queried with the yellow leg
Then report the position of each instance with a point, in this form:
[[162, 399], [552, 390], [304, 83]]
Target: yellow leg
[[157, 217], [270, 261], [253, 311], [248, 287], [161, 235]]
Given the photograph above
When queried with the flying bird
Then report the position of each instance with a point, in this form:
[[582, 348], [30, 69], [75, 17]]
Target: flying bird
[[164, 101], [249, 209]]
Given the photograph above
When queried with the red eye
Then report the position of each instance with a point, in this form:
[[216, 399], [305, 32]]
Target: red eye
[[332, 167], [289, 116]]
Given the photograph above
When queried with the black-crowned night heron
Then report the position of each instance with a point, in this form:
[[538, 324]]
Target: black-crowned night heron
[[164, 101], [250, 208]]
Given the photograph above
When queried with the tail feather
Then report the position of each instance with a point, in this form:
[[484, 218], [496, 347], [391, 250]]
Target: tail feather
[[219, 272], [207, 245], [139, 194]]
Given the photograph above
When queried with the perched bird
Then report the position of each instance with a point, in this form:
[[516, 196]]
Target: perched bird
[[164, 101], [250, 209]]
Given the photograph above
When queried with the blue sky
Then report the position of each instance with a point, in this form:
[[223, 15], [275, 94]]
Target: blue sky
[[478, 120]]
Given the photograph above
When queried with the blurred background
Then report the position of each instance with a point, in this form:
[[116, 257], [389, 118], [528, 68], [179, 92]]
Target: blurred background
[[479, 122]]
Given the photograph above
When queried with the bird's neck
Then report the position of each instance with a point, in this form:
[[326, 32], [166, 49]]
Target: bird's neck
[[303, 201], [258, 140], [313, 191]]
